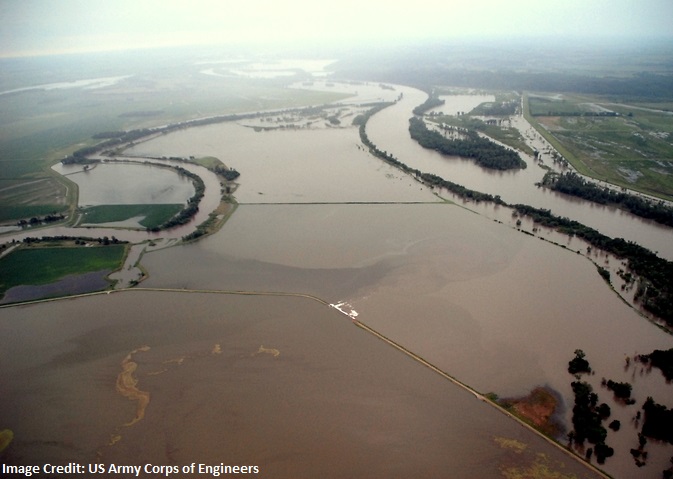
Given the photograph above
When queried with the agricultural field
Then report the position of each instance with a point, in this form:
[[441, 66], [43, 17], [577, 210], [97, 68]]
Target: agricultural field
[[627, 145], [43, 265], [151, 216]]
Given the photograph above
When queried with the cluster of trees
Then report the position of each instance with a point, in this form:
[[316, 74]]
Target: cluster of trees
[[588, 415], [658, 421], [588, 419], [573, 184], [105, 241], [579, 364], [229, 174], [621, 390], [35, 220], [486, 153], [432, 102], [662, 359]]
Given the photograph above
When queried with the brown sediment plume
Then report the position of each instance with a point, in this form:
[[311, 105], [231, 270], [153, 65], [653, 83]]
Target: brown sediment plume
[[177, 361], [126, 385], [274, 352], [511, 444]]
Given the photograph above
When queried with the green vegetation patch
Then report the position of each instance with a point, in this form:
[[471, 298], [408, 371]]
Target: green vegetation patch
[[35, 266], [154, 215], [13, 212]]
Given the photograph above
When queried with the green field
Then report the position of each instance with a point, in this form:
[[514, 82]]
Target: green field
[[632, 147], [154, 215], [35, 266]]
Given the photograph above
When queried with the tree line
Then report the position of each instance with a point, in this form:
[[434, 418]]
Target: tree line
[[573, 184], [485, 152], [192, 207]]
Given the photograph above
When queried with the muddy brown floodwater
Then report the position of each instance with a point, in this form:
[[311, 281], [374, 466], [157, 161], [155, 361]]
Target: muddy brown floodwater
[[499, 310], [334, 402]]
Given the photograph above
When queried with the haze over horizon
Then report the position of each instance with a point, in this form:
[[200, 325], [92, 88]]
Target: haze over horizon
[[36, 27]]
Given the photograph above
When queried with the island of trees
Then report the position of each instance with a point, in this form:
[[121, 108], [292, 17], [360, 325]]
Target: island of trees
[[470, 145]]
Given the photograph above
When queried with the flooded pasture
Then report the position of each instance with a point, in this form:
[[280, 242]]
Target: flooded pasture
[[286, 384], [127, 184]]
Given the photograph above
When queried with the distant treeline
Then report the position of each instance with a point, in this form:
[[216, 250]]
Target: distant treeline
[[119, 138], [641, 86], [576, 113], [485, 152], [573, 184], [655, 291]]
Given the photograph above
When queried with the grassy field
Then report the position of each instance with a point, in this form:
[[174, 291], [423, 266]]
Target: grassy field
[[40, 265], [632, 149], [154, 215]]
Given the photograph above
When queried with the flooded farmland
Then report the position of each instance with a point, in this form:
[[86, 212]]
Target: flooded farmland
[[498, 310], [287, 384]]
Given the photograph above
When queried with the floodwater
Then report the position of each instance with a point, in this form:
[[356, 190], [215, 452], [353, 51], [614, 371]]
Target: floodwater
[[294, 166], [286, 384], [497, 309], [127, 184], [448, 284]]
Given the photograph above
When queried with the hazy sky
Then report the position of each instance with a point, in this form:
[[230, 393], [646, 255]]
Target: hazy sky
[[30, 27]]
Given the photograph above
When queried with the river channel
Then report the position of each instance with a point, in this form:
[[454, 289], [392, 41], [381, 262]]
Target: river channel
[[497, 309]]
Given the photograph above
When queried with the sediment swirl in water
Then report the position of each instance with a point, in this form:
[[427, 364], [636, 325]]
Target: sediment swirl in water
[[274, 352], [126, 385]]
